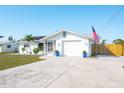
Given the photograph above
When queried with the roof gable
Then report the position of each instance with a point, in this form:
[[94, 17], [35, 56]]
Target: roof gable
[[61, 31]]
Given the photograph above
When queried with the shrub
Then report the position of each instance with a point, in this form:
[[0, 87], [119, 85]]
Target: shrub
[[23, 49], [56, 51], [92, 55], [36, 50]]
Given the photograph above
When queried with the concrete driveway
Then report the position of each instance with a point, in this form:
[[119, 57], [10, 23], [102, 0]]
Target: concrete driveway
[[67, 72]]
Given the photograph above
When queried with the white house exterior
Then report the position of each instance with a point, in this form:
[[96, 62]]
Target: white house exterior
[[9, 47], [66, 42]]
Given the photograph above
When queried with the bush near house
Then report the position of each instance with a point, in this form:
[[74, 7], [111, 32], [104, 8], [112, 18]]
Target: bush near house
[[36, 50]]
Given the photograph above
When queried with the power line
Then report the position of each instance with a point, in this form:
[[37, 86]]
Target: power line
[[111, 18]]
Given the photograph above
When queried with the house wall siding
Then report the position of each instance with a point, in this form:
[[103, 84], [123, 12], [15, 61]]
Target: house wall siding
[[14, 47]]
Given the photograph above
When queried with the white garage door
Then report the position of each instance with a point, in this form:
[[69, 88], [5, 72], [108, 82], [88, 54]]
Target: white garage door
[[72, 48]]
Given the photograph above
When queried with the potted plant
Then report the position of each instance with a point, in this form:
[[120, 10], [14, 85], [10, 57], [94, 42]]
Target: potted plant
[[84, 54], [56, 53]]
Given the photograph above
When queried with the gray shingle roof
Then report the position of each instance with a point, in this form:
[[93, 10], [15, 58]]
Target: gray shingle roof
[[1, 36], [38, 37]]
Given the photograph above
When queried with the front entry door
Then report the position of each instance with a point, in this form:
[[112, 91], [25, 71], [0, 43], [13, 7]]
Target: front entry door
[[50, 47]]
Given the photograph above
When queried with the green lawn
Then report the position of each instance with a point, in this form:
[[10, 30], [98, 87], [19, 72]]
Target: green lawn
[[10, 61]]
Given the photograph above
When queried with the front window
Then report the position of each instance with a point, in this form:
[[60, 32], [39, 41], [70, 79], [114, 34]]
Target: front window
[[8, 46], [26, 45], [41, 46], [50, 46]]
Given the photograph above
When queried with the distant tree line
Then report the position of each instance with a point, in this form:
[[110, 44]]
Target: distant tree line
[[118, 41]]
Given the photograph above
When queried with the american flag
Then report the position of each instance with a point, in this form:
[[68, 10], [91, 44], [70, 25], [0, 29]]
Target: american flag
[[95, 36]]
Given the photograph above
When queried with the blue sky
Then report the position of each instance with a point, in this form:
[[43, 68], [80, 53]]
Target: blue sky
[[44, 20]]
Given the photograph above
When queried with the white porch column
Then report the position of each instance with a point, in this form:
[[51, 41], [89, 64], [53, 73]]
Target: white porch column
[[45, 47], [54, 46]]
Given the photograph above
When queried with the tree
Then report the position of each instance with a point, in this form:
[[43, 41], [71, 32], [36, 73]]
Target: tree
[[29, 38], [118, 41], [103, 41], [10, 38]]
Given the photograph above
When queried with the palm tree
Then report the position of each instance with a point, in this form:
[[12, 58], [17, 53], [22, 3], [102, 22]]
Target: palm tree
[[118, 41], [10, 38], [29, 38]]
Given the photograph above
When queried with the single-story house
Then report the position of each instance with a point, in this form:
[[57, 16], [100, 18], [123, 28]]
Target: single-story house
[[66, 42], [9, 46]]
